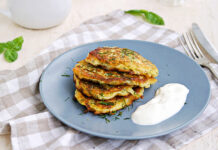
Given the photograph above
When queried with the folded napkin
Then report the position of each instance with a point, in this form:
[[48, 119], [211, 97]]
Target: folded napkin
[[32, 127]]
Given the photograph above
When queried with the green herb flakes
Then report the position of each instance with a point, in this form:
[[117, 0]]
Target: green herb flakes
[[65, 75], [127, 52], [107, 120], [116, 118], [120, 114], [106, 103], [102, 116], [114, 112], [124, 103], [67, 98], [108, 74]]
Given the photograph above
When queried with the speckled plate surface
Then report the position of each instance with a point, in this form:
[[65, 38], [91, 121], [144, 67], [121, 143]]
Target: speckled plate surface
[[57, 91]]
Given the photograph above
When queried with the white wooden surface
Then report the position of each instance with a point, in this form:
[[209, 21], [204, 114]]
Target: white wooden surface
[[179, 18]]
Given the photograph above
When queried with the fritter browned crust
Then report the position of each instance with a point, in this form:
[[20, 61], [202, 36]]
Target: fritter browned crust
[[102, 91], [84, 70], [122, 59], [109, 106]]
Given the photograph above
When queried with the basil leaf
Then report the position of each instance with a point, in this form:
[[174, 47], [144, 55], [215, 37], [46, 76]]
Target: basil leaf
[[154, 18], [10, 55], [16, 44], [150, 17], [9, 48], [2, 47], [135, 12]]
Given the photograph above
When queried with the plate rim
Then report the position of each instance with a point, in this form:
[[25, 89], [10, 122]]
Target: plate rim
[[108, 136]]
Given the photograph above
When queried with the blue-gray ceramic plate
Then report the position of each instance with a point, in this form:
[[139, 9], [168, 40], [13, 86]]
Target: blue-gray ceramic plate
[[57, 91]]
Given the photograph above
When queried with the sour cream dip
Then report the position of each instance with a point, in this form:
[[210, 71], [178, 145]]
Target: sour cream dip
[[168, 100]]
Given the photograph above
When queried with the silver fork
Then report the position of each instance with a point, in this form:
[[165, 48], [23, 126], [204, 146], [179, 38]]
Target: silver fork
[[193, 51]]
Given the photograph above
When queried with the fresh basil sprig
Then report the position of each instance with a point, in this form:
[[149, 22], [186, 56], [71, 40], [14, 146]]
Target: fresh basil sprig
[[10, 49], [149, 16]]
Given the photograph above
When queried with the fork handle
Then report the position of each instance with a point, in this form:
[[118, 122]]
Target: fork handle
[[212, 69]]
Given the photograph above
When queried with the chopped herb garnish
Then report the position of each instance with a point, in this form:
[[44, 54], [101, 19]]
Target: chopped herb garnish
[[102, 116], [107, 120], [126, 118], [114, 112], [102, 94], [116, 118], [120, 114], [65, 75], [108, 74], [106, 103], [67, 99], [127, 52], [124, 103]]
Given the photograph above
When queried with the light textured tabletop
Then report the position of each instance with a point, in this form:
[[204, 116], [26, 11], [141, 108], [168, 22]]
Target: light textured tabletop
[[203, 12]]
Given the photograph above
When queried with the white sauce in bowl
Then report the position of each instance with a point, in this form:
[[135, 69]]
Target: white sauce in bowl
[[168, 100]]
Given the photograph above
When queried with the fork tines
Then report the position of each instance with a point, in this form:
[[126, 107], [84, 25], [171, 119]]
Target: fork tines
[[192, 48]]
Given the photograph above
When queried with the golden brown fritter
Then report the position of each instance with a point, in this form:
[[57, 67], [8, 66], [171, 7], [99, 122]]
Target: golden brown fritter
[[84, 70], [121, 59], [102, 91], [109, 106]]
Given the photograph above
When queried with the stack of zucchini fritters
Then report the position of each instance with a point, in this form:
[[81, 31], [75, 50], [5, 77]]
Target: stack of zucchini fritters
[[111, 78]]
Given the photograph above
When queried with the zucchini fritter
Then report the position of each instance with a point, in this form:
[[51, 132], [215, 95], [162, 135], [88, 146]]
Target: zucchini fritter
[[109, 106], [121, 59], [84, 70], [101, 92]]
